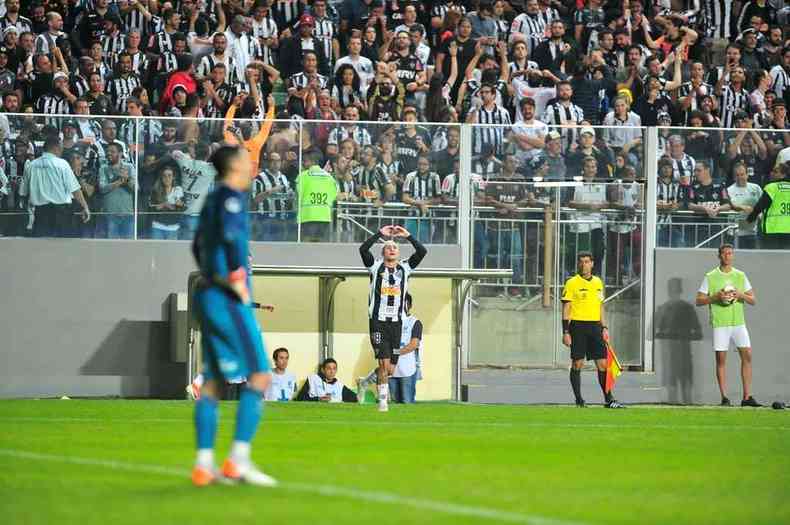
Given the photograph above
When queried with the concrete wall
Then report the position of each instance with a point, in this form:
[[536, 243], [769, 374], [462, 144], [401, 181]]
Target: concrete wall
[[683, 345], [90, 317]]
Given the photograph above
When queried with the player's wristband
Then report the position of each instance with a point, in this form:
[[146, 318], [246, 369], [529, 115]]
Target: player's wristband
[[239, 274], [566, 326]]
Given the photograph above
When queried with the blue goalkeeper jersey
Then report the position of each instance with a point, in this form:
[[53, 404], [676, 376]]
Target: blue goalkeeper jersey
[[221, 244]]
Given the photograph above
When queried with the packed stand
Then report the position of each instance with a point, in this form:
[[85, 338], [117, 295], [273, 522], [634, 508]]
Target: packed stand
[[535, 75]]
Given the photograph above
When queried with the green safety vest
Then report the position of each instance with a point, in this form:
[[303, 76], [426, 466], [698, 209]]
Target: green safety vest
[[776, 219], [317, 192], [732, 314]]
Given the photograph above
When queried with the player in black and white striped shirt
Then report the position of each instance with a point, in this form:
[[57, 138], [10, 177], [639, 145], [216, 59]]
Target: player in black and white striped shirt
[[389, 282], [497, 118], [732, 94]]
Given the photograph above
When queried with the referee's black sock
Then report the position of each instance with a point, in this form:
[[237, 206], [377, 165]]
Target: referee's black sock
[[602, 381], [576, 383]]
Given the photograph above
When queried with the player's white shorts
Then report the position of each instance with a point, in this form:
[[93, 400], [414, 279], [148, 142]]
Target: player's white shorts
[[737, 334]]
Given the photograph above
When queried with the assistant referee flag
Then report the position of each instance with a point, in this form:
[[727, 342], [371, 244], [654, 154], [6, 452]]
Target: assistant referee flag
[[613, 368]]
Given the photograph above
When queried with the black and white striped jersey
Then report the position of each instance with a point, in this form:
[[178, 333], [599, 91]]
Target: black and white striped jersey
[[780, 81], [557, 114], [168, 62], [139, 62], [149, 130], [440, 9], [325, 31], [226, 93], [718, 14], [286, 12], [275, 202], [45, 43], [266, 28], [301, 80], [388, 286], [208, 62], [683, 167], [113, 44], [730, 102], [529, 65], [53, 104], [685, 90], [388, 171], [499, 122], [135, 21], [549, 15], [120, 88], [160, 42], [529, 25], [358, 134], [22, 24], [79, 85], [422, 187]]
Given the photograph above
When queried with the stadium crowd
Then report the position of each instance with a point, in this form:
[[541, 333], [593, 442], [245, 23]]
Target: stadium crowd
[[533, 74]]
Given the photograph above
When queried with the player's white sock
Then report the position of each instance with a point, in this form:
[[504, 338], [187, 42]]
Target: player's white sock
[[384, 392], [372, 377], [240, 452], [205, 458]]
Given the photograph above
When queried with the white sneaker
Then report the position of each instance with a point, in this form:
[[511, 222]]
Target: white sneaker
[[247, 473], [383, 405]]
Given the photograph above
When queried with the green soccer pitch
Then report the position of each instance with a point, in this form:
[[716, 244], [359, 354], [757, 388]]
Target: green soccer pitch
[[128, 462]]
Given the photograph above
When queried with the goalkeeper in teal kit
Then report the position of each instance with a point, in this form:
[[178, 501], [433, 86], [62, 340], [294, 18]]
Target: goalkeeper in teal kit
[[231, 338]]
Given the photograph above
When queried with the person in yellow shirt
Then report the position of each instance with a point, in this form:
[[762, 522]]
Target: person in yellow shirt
[[584, 327]]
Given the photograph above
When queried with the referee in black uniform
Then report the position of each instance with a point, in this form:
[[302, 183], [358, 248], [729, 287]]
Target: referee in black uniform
[[584, 327]]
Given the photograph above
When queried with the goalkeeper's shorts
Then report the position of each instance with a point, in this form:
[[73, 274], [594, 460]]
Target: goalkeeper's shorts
[[231, 339]]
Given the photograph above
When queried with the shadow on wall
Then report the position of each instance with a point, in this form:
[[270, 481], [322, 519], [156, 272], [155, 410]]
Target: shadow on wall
[[138, 352], [676, 326]]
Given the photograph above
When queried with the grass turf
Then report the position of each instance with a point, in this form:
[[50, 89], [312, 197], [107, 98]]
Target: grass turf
[[427, 463]]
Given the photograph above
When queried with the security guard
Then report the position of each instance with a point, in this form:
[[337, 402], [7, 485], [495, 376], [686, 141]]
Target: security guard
[[775, 207], [584, 327], [317, 191]]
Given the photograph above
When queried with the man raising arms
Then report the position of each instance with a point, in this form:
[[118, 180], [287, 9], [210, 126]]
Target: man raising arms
[[389, 278]]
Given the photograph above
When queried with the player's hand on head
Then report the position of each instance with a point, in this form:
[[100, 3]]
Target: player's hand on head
[[400, 231], [386, 231]]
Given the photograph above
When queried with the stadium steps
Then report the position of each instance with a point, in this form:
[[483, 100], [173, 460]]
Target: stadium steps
[[509, 386]]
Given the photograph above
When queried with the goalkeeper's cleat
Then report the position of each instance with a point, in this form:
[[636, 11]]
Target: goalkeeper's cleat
[[725, 402], [750, 402], [614, 404], [246, 473], [202, 476], [580, 403]]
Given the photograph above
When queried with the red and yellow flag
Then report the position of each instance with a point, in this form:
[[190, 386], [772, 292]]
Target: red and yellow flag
[[613, 368]]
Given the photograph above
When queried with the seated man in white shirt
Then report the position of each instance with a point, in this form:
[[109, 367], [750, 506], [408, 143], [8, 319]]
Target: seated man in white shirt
[[403, 381], [325, 386], [283, 386]]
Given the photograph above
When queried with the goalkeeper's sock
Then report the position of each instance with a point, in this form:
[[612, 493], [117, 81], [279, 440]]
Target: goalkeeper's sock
[[205, 425], [602, 381], [576, 383], [248, 414]]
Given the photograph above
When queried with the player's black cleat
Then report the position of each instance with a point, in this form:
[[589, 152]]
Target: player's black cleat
[[725, 402], [750, 402], [580, 403], [613, 403]]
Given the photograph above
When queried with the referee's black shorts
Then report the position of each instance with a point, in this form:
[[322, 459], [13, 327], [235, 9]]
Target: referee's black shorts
[[385, 339], [587, 340]]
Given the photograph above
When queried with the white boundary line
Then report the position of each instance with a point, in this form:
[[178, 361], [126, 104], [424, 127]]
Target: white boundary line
[[323, 490], [484, 424]]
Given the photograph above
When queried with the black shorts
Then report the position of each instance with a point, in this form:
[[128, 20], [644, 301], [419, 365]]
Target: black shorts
[[385, 339], [587, 340]]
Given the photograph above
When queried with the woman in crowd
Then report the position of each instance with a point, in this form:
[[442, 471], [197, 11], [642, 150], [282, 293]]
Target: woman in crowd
[[167, 203]]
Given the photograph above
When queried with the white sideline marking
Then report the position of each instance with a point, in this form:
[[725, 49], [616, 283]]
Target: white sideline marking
[[603, 426], [324, 490]]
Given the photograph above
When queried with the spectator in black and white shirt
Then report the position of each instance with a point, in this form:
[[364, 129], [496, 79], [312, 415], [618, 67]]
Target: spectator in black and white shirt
[[682, 163], [46, 42], [347, 130], [564, 114], [497, 118], [732, 93], [271, 204], [120, 88]]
